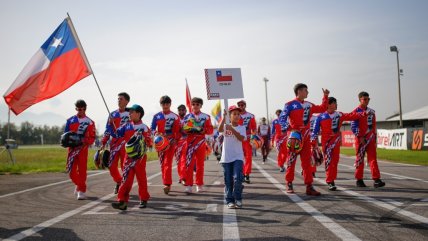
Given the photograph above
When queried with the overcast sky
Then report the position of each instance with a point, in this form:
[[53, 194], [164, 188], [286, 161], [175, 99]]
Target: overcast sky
[[148, 48]]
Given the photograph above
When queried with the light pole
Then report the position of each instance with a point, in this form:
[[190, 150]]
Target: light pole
[[395, 49], [267, 108]]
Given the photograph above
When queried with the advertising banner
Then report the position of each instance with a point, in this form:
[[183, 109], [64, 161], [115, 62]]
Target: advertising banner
[[348, 139], [418, 139], [392, 139]]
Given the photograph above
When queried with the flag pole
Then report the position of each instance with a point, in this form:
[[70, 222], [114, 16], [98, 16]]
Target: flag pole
[[82, 51]]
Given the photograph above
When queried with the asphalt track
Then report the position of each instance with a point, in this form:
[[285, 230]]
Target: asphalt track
[[43, 207]]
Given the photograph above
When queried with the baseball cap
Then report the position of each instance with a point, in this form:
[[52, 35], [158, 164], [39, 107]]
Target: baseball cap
[[137, 108], [234, 107], [242, 101]]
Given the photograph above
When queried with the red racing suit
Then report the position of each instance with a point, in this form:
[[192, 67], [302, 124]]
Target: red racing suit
[[263, 130], [77, 157], [134, 167], [365, 128], [296, 116], [195, 146], [280, 142], [117, 145], [167, 124], [180, 151], [330, 124], [248, 120]]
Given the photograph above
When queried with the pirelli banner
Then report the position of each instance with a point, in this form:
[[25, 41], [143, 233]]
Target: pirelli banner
[[398, 139], [392, 139]]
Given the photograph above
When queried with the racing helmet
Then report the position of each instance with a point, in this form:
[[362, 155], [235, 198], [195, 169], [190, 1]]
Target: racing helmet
[[105, 158], [294, 142], [161, 143], [71, 139], [256, 141], [97, 159], [136, 147]]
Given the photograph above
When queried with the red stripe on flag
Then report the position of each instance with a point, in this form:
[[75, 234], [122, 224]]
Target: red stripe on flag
[[188, 98], [224, 78], [62, 73]]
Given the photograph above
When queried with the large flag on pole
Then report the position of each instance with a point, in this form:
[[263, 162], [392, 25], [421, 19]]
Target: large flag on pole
[[57, 65], [188, 98], [216, 112]]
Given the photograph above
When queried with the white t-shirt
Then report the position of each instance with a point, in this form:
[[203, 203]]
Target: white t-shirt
[[232, 147]]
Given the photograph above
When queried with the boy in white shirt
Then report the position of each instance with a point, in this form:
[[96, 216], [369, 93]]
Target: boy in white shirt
[[232, 157]]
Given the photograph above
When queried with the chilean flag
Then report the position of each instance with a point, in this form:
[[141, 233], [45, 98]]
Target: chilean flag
[[57, 65], [221, 78], [188, 98]]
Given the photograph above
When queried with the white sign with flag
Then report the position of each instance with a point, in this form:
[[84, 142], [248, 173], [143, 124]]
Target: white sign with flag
[[224, 83]]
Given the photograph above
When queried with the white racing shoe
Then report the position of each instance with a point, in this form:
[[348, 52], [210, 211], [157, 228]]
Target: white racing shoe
[[81, 196], [188, 190], [200, 188]]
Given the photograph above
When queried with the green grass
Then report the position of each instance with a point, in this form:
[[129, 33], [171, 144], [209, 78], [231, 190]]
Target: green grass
[[399, 156], [43, 159]]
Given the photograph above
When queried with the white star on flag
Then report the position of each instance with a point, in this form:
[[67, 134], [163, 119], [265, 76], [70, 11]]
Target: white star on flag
[[57, 42]]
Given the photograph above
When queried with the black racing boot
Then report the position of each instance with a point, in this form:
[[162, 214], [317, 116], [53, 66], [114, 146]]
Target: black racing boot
[[120, 205], [331, 186], [360, 183], [378, 183]]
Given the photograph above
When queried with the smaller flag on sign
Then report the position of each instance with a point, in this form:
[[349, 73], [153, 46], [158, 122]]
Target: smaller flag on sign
[[216, 111], [188, 98], [221, 78]]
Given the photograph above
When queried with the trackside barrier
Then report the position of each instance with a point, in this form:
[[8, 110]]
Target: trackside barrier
[[397, 139]]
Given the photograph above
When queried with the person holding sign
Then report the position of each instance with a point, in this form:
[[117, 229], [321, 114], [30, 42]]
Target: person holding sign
[[249, 121], [232, 157], [295, 118], [196, 126]]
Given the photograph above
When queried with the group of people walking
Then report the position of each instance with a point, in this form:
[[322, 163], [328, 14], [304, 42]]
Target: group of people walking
[[183, 136]]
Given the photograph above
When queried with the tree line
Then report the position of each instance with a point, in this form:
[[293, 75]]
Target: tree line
[[29, 134]]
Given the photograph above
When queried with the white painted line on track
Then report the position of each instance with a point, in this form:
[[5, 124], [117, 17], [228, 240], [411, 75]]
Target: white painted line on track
[[50, 222], [392, 202], [387, 206], [47, 185], [211, 208], [97, 209], [386, 162], [230, 225], [327, 222], [401, 177], [381, 204]]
